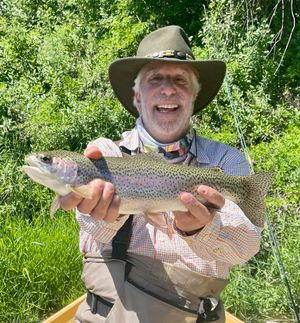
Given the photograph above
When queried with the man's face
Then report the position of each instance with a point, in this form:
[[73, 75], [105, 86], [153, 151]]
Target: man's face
[[165, 100]]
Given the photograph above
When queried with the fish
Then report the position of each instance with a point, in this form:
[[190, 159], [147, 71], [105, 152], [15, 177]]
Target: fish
[[145, 183]]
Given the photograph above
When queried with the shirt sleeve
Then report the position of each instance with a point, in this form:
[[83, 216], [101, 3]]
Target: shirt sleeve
[[230, 237], [100, 230], [233, 162], [107, 147]]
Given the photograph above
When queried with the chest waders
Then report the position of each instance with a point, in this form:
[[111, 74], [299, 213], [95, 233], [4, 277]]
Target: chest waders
[[210, 309]]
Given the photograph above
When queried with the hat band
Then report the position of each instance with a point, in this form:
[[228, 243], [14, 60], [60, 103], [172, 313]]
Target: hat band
[[171, 53]]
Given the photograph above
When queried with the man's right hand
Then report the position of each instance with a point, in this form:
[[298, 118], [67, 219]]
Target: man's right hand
[[104, 204]]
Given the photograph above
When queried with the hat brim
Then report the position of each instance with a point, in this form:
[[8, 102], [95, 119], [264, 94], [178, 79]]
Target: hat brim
[[123, 71]]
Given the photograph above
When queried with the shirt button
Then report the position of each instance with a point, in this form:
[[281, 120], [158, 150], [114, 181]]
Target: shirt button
[[217, 251], [190, 242]]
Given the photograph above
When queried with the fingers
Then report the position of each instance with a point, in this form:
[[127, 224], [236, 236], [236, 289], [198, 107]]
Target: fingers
[[198, 214], [69, 201], [113, 211], [72, 200], [87, 205], [93, 152], [214, 198], [104, 204], [107, 208]]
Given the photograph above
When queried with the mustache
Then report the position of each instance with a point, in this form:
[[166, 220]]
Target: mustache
[[163, 98]]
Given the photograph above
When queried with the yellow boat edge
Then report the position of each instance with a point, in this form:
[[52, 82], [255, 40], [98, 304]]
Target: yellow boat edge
[[67, 314]]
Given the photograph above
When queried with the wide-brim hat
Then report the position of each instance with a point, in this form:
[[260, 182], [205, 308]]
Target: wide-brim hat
[[167, 44]]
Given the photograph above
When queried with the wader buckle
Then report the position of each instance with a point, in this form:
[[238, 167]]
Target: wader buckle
[[207, 311], [94, 301]]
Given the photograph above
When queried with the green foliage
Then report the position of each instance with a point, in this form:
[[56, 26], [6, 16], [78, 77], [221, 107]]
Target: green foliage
[[168, 12], [281, 157], [251, 86], [55, 93], [258, 287]]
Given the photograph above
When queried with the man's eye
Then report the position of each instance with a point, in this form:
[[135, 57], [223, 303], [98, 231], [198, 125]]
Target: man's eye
[[180, 80], [155, 78]]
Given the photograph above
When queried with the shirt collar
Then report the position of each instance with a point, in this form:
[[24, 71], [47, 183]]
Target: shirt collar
[[130, 140], [198, 150]]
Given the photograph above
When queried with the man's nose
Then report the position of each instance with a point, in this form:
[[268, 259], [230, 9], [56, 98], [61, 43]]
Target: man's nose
[[168, 87]]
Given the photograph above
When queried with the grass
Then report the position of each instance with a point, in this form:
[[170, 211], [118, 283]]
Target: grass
[[40, 267]]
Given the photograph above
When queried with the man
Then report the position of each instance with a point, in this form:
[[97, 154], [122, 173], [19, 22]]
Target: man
[[175, 274]]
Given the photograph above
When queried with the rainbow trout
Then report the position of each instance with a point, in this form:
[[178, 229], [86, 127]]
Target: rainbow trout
[[146, 183]]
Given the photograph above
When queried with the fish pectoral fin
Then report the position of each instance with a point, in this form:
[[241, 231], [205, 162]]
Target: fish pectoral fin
[[158, 220], [83, 190], [55, 205]]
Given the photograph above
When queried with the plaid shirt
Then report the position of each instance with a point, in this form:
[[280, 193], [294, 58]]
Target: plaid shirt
[[230, 238]]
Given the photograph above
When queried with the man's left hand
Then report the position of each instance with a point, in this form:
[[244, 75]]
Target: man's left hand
[[198, 215]]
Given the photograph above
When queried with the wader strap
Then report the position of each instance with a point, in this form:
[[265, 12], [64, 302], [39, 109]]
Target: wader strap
[[121, 240], [125, 151], [161, 297]]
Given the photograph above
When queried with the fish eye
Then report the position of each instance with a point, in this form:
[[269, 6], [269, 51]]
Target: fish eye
[[46, 159]]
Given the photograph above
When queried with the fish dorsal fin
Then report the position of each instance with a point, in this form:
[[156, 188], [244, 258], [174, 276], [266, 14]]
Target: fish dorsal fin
[[153, 155], [216, 169]]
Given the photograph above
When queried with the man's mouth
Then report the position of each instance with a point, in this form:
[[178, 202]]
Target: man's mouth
[[167, 107]]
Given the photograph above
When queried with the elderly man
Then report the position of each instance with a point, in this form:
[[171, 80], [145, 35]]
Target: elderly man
[[137, 272]]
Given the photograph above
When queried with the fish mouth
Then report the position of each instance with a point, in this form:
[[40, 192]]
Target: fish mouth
[[43, 169], [41, 176], [38, 175], [35, 170], [33, 163], [167, 108], [34, 167]]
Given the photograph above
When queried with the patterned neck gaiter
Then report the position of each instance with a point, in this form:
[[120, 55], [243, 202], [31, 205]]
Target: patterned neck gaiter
[[175, 151]]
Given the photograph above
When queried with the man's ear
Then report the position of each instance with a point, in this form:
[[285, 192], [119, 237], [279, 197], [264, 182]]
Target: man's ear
[[195, 97], [137, 100], [197, 93]]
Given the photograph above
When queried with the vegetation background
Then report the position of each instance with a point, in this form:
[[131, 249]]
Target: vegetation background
[[55, 94]]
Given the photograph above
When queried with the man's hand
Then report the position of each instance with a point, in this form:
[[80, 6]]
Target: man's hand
[[198, 215], [104, 204]]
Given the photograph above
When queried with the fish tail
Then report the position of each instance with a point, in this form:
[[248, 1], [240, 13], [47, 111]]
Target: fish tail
[[254, 203]]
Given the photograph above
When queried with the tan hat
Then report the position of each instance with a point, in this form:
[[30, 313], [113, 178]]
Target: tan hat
[[167, 44]]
